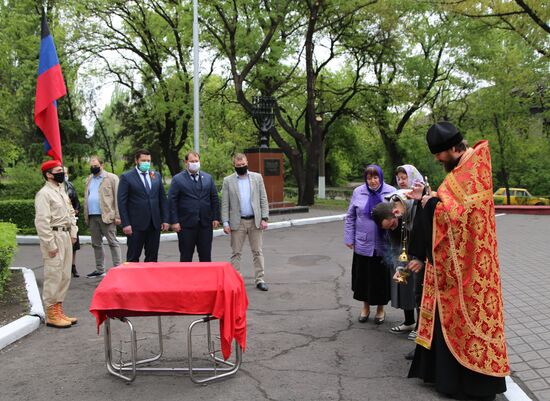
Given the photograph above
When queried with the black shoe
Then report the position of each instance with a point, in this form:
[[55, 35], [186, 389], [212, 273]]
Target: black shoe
[[410, 356], [380, 320], [363, 319], [74, 272], [95, 274], [262, 286]]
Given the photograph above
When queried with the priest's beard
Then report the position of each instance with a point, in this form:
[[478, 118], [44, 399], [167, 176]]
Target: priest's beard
[[450, 164]]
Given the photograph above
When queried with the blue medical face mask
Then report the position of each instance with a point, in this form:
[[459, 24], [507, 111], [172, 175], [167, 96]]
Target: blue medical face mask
[[144, 166]]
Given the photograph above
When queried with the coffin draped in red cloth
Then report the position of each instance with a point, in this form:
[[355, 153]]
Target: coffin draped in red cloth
[[171, 288]]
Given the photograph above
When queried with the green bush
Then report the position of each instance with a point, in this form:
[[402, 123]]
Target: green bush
[[8, 245], [21, 212], [18, 211], [21, 182]]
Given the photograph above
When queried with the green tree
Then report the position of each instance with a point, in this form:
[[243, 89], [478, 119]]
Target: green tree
[[19, 47], [410, 64], [528, 19], [272, 48], [144, 46], [19, 41]]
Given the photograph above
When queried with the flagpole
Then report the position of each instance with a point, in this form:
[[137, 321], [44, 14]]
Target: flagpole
[[50, 86], [196, 75]]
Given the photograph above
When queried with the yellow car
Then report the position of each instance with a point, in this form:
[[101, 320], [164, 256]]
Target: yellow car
[[518, 196]]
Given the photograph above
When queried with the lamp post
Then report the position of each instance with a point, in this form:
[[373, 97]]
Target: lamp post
[[196, 76], [264, 118], [319, 127], [321, 181]]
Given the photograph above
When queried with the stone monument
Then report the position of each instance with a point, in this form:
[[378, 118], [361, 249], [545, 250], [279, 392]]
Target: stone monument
[[263, 159]]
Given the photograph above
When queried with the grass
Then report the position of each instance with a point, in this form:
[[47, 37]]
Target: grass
[[338, 204], [14, 302], [332, 204]]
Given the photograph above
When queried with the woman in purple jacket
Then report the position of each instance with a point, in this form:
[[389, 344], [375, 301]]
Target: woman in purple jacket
[[369, 274]]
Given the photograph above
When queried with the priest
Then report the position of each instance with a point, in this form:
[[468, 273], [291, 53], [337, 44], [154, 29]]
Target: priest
[[460, 341]]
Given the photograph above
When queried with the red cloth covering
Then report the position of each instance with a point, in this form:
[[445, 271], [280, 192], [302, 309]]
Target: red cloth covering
[[173, 288]]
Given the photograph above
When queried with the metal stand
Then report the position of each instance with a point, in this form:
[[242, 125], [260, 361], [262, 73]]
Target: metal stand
[[217, 372], [263, 117]]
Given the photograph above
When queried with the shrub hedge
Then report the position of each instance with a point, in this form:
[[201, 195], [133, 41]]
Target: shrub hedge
[[8, 246], [21, 212], [18, 211]]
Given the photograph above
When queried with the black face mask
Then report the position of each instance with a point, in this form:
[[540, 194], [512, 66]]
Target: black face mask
[[59, 177], [95, 170], [241, 170]]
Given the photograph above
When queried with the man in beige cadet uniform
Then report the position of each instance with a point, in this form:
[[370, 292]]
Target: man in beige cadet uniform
[[56, 227]]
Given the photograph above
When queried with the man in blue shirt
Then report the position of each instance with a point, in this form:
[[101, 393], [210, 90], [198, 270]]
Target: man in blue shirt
[[101, 213], [245, 212]]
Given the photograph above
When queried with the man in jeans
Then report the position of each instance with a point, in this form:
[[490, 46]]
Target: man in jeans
[[101, 213]]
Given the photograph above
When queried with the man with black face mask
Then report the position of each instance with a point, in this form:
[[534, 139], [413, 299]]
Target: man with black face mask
[[245, 212], [55, 224], [101, 213]]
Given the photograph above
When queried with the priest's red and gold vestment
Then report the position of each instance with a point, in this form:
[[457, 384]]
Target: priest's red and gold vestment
[[464, 280]]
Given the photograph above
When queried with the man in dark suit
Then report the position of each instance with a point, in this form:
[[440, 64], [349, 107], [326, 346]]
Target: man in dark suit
[[143, 208], [194, 209]]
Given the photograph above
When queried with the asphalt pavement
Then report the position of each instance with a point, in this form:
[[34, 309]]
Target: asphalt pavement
[[304, 341]]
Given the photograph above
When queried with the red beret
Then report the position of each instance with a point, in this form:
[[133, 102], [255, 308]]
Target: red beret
[[48, 165]]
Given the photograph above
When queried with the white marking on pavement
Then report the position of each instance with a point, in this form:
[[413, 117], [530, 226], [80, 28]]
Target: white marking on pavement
[[514, 392]]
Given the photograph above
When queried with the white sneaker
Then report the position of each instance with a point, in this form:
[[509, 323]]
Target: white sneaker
[[95, 274], [402, 328]]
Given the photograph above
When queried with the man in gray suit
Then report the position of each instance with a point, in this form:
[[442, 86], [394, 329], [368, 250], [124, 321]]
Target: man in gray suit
[[245, 212]]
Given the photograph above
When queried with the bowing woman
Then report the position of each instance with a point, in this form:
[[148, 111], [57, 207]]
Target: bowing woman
[[404, 296], [369, 274]]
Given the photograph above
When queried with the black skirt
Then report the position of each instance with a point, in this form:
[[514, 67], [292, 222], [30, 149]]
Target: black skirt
[[76, 245], [369, 279], [439, 366]]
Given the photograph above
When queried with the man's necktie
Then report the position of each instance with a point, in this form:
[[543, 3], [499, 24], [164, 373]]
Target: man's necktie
[[147, 186]]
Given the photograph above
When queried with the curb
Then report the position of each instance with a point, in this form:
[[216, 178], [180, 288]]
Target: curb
[[86, 239], [514, 392], [28, 323], [523, 209]]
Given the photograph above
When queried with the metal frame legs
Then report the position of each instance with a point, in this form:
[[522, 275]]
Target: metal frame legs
[[217, 371]]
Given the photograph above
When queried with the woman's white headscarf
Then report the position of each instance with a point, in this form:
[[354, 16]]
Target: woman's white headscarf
[[413, 175]]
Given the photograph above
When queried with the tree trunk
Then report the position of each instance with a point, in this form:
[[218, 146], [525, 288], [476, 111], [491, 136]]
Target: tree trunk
[[390, 143], [299, 174], [168, 148], [172, 159]]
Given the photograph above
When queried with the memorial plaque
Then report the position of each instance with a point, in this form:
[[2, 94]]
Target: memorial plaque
[[272, 167]]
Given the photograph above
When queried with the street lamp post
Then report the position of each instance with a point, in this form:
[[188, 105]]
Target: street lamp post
[[321, 181], [196, 76]]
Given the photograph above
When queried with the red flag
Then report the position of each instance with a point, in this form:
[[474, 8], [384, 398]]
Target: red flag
[[50, 86]]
